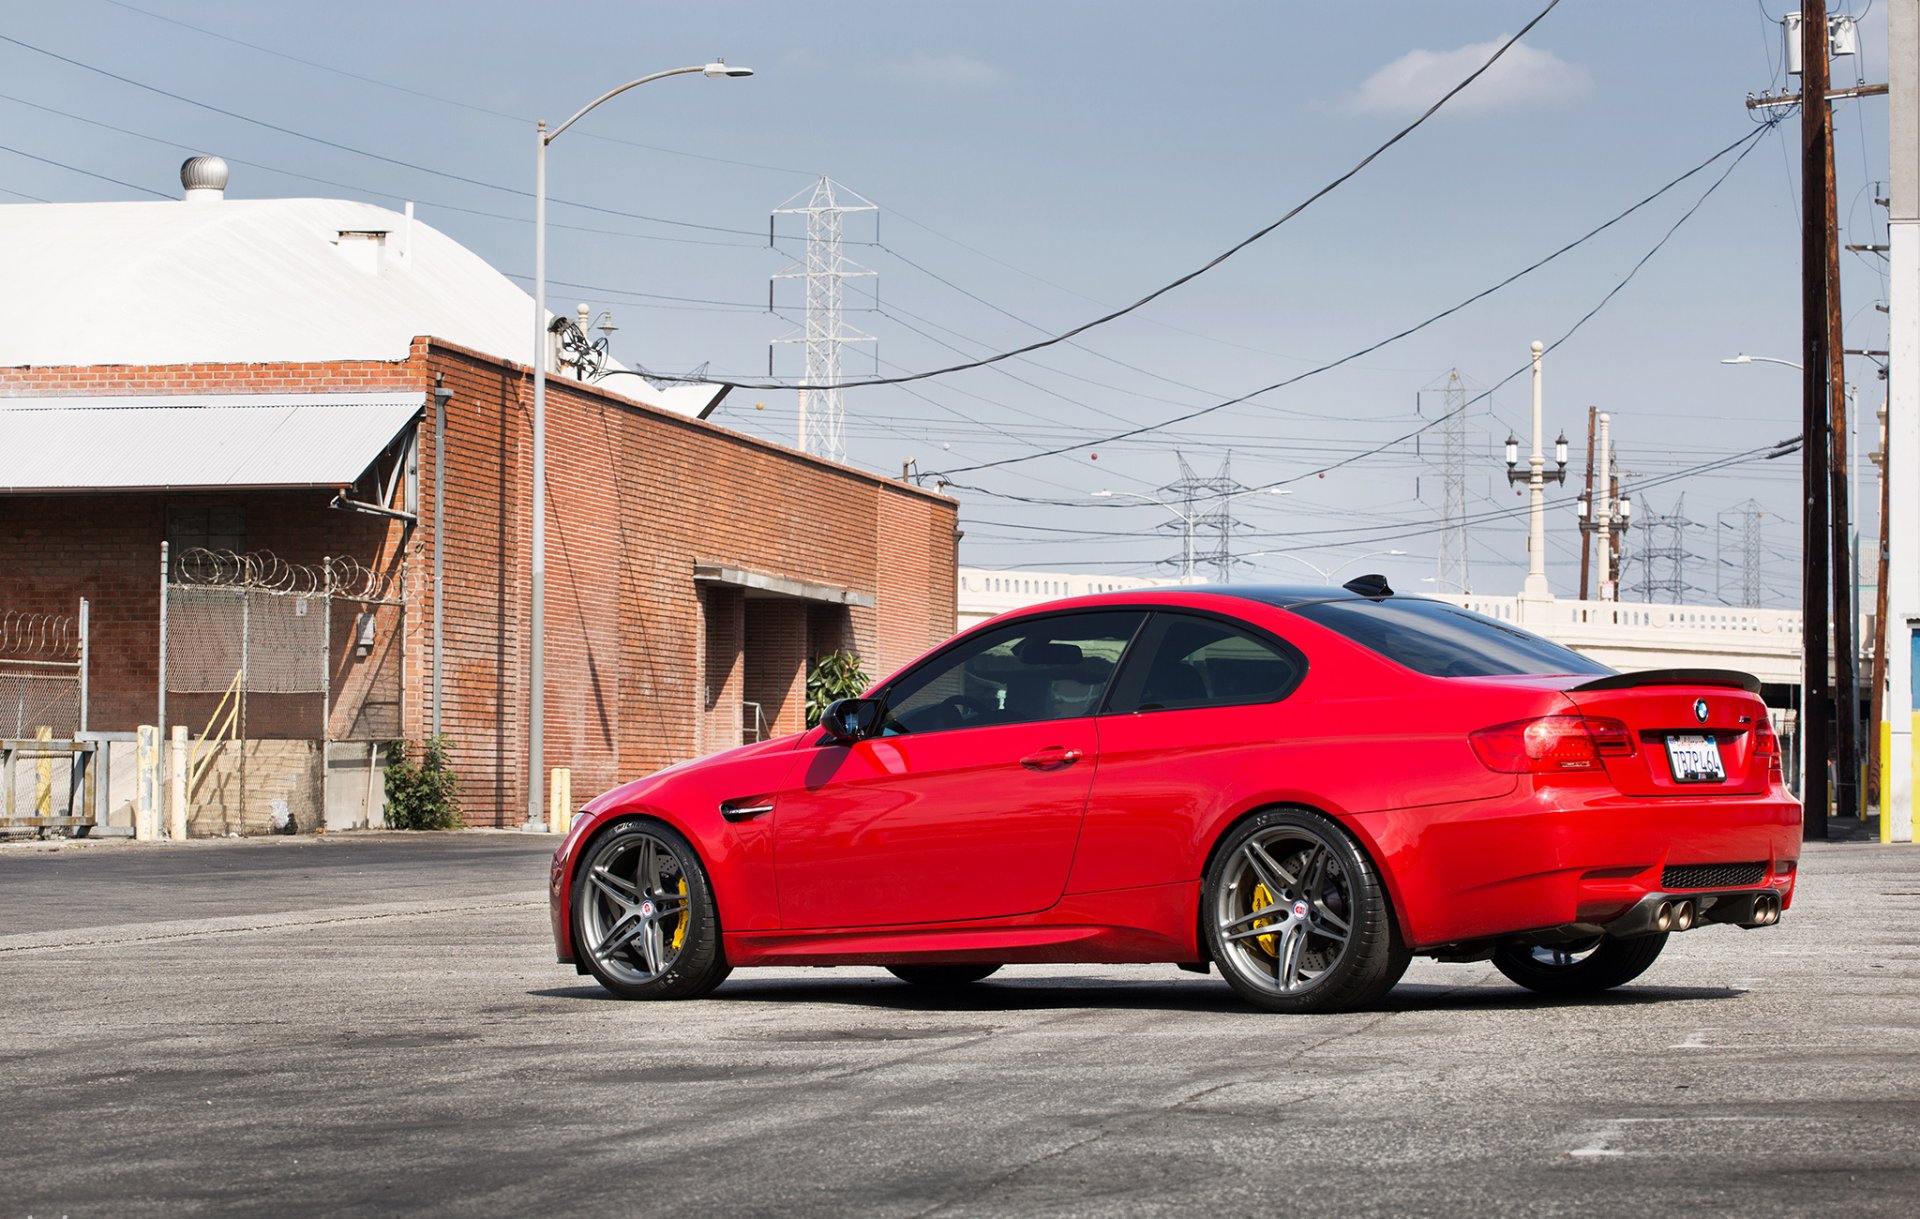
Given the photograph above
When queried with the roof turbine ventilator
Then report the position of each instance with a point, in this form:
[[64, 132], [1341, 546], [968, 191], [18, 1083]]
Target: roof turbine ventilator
[[205, 178]]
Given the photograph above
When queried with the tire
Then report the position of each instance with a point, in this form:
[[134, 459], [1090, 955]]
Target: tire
[[941, 977], [643, 915], [1334, 945], [1579, 969]]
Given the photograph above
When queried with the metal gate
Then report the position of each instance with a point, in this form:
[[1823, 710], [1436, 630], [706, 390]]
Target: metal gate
[[43, 712], [268, 663]]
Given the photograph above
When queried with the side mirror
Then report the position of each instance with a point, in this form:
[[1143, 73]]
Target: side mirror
[[852, 719]]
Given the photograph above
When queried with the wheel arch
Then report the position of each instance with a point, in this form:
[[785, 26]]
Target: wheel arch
[[1361, 839], [638, 813]]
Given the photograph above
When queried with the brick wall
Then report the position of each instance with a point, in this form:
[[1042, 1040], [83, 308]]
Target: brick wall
[[637, 498], [643, 667]]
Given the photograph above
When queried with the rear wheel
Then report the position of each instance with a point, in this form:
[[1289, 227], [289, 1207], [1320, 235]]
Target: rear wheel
[[941, 977], [1296, 916], [1581, 968], [643, 915]]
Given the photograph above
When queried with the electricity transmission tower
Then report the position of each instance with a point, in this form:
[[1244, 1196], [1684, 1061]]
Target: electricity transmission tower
[[1451, 571], [1748, 515], [823, 426], [1191, 490], [1663, 559]]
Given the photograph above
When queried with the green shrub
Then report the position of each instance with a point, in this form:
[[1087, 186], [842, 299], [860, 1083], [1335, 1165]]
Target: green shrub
[[835, 675], [420, 791]]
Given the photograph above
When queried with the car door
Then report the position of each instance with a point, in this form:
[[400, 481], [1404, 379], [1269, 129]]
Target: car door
[[1201, 704], [968, 805]]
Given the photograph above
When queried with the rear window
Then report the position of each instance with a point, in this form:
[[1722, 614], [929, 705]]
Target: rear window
[[1444, 640]]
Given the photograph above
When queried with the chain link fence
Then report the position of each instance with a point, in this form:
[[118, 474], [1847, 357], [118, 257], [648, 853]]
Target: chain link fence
[[270, 665], [43, 698]]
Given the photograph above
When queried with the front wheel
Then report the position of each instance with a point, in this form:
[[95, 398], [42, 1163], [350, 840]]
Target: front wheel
[[1581, 968], [1297, 918], [643, 915]]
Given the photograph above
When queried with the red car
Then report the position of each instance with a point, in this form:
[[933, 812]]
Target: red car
[[1304, 787]]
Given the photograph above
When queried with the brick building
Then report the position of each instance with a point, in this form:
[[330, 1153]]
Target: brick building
[[258, 378]]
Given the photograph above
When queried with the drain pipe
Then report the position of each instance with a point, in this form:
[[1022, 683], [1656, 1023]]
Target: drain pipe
[[441, 396]]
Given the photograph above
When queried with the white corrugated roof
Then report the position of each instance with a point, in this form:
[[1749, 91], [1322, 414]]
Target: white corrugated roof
[[199, 442], [254, 281], [242, 281]]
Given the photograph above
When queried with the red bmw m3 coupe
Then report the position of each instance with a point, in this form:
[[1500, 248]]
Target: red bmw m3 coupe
[[1303, 787]]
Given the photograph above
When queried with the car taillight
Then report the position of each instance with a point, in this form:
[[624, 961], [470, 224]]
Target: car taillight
[[1767, 745], [1552, 744]]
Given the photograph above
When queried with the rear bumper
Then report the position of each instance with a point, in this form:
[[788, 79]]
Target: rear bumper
[[1550, 857]]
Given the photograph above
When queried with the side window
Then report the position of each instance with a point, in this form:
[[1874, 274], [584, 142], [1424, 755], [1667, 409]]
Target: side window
[[1051, 668], [1189, 661]]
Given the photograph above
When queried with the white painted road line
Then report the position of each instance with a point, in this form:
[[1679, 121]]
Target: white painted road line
[[181, 929]]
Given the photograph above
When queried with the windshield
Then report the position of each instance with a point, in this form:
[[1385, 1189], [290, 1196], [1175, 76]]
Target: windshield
[[1444, 640]]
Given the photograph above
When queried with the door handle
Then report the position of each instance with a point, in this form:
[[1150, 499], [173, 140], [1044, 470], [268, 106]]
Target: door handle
[[1051, 758], [744, 812]]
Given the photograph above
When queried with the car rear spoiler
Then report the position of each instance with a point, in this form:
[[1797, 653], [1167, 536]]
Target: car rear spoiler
[[1674, 677]]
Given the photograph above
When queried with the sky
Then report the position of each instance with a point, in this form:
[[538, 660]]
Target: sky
[[1037, 164]]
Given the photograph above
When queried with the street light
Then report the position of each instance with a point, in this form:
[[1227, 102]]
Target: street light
[[1325, 573], [536, 717], [1186, 557], [1744, 358], [1536, 476]]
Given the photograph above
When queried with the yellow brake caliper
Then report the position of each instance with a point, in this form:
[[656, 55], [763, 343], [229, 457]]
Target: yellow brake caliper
[[680, 928], [1262, 898]]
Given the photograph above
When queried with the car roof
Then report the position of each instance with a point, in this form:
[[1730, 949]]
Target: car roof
[[1282, 596]]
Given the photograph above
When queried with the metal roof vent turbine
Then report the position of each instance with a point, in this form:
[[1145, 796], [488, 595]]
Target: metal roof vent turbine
[[205, 179]]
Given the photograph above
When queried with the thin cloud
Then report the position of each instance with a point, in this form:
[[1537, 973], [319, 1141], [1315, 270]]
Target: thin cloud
[[1524, 76], [950, 69]]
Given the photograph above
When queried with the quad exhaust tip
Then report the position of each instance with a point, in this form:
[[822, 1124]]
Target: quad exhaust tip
[[1682, 916], [1663, 917]]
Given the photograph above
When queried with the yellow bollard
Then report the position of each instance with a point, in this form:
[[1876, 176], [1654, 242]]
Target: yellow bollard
[[560, 800], [43, 776]]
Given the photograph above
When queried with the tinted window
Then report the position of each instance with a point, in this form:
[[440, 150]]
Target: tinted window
[[1444, 640], [1190, 661], [1050, 668]]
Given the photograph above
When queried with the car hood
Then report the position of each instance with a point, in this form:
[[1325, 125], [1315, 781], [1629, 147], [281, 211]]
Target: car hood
[[635, 789]]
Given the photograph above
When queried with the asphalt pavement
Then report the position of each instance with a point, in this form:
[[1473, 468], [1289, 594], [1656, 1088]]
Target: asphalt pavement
[[373, 1024]]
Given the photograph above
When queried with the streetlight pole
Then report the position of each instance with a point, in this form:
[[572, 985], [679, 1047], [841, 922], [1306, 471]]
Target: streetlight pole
[[1186, 550], [1325, 573], [537, 667], [1536, 476]]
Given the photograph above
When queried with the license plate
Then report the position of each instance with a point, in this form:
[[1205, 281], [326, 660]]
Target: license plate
[[1695, 759]]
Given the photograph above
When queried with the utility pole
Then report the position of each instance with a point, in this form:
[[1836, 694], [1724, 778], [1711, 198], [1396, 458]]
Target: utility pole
[[1606, 517], [1586, 505], [1816, 238], [1846, 743], [1877, 683], [1903, 413]]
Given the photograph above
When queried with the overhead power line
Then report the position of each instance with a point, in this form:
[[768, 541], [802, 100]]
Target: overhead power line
[[76, 169], [362, 152], [435, 97], [376, 192], [1211, 263], [1745, 144]]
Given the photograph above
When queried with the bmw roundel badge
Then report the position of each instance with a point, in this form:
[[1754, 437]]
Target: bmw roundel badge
[[1700, 709]]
